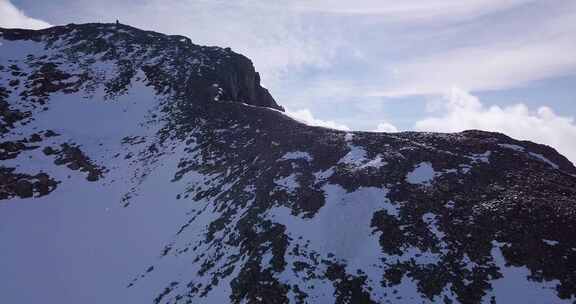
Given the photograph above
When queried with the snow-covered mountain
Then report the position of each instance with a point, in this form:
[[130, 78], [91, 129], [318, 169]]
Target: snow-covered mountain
[[137, 167]]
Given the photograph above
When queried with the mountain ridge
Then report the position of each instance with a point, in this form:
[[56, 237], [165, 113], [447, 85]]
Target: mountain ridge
[[194, 194]]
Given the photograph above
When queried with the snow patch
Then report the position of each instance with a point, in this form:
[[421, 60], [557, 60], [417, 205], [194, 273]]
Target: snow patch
[[544, 159], [512, 147], [289, 182], [342, 227], [422, 174], [375, 163], [355, 157], [481, 158], [297, 155], [515, 287], [550, 242]]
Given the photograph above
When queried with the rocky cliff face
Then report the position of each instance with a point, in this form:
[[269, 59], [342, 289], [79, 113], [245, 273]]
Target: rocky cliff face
[[138, 167]]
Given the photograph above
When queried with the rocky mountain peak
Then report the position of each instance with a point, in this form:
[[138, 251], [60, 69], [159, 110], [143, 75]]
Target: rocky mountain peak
[[171, 63]]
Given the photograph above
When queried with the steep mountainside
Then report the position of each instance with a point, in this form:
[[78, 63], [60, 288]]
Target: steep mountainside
[[137, 167]]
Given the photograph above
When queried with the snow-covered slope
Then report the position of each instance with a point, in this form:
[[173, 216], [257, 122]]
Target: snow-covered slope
[[137, 167]]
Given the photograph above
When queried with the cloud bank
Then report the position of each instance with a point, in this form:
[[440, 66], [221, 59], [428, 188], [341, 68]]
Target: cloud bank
[[386, 127], [458, 110], [461, 111], [12, 17], [306, 117], [490, 67]]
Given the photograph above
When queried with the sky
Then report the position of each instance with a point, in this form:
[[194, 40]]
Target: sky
[[378, 65]]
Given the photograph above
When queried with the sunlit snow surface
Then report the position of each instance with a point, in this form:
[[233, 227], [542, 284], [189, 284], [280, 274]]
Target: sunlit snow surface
[[422, 174], [78, 244]]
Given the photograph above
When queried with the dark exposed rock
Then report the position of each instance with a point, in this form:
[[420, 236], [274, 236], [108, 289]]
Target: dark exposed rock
[[48, 151], [8, 115], [24, 189], [14, 184], [349, 289], [11, 149], [75, 159], [35, 138], [50, 133]]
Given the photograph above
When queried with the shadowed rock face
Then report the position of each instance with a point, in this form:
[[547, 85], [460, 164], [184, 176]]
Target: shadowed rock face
[[273, 211]]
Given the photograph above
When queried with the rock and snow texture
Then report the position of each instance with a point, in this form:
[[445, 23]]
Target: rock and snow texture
[[127, 176]]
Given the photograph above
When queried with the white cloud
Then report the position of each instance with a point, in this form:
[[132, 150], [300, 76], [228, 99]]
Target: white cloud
[[386, 127], [305, 116], [509, 49], [407, 9], [12, 17], [489, 67], [462, 111]]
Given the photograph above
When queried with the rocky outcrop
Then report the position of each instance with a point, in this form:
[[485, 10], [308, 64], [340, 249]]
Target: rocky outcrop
[[183, 69], [75, 159], [22, 185], [242, 83]]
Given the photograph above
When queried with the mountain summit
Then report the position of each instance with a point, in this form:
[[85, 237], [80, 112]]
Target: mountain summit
[[138, 167]]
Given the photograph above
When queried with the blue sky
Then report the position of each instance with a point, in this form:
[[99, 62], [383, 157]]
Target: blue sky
[[435, 65]]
